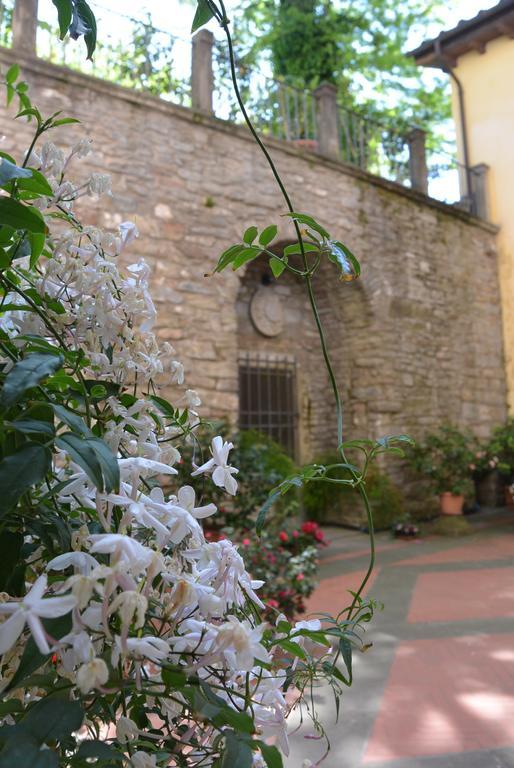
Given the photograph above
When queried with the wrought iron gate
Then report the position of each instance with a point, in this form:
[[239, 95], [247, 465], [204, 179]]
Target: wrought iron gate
[[267, 397]]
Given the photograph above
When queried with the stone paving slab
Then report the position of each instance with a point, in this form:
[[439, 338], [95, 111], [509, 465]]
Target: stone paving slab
[[436, 692]]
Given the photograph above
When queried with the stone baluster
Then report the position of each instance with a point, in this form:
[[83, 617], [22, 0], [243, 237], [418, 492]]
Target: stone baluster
[[24, 27], [479, 206], [418, 160], [202, 79], [327, 122]]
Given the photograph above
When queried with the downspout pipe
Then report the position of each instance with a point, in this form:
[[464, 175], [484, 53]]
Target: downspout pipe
[[446, 67]]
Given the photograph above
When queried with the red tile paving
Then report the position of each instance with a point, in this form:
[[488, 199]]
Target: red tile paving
[[332, 594], [499, 548], [446, 696], [487, 593], [364, 552]]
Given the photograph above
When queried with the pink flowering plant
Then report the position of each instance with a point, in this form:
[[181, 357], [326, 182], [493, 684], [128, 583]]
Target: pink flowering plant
[[127, 638]]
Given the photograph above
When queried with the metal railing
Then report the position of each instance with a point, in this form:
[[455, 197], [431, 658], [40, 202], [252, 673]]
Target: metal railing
[[276, 108], [373, 146]]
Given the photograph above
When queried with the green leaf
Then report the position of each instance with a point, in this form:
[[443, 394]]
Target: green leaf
[[228, 256], [11, 543], [37, 243], [23, 752], [19, 216], [10, 93], [52, 719], [261, 517], [389, 440], [82, 453], [345, 648], [30, 112], [271, 755], [293, 648], [10, 707], [99, 750], [27, 373], [65, 121], [277, 265], [250, 235], [294, 249], [237, 752], [9, 171], [32, 659], [21, 470], [108, 463], [303, 218], [37, 184], [268, 234], [247, 254], [202, 16], [174, 678], [12, 74], [32, 427], [64, 15], [87, 17]]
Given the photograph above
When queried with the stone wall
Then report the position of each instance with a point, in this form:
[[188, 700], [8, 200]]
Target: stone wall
[[416, 342]]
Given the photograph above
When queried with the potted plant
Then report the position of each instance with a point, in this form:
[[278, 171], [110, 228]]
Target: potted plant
[[501, 449], [489, 484], [445, 458]]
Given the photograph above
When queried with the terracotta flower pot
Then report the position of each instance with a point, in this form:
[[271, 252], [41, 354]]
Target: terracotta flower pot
[[451, 503]]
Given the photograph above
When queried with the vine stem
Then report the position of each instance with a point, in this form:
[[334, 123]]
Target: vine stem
[[221, 16], [326, 356]]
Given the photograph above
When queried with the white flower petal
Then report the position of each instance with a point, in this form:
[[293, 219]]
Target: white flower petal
[[10, 630]]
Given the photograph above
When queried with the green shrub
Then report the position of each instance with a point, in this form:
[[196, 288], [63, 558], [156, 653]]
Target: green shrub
[[500, 449], [445, 458], [327, 501]]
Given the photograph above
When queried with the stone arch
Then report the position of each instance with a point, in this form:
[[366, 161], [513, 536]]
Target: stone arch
[[294, 342]]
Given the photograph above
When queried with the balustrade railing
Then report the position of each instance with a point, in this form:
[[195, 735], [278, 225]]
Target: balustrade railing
[[136, 54]]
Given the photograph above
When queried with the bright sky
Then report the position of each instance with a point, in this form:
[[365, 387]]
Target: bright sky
[[176, 17]]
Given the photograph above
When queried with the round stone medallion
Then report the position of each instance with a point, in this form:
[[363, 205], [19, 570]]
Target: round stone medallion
[[266, 311]]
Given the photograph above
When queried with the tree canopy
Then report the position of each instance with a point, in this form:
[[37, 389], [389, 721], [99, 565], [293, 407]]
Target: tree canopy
[[357, 44]]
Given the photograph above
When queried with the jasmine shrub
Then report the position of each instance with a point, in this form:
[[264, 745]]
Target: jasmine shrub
[[126, 638]]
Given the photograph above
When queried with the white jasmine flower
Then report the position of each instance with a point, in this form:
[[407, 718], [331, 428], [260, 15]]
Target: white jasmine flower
[[192, 398], [92, 675], [126, 730], [186, 500], [239, 643], [82, 562], [99, 184], [131, 607], [82, 148], [30, 610], [123, 549], [128, 233], [222, 473], [153, 648], [52, 160], [143, 760], [177, 372]]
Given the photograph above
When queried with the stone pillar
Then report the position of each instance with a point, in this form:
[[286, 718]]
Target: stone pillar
[[418, 160], [24, 27], [479, 205], [202, 80], [327, 121]]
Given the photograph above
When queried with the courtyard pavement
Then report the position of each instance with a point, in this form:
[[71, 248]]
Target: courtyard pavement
[[436, 690]]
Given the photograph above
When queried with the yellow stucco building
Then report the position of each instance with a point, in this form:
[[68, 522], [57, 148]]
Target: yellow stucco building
[[478, 55]]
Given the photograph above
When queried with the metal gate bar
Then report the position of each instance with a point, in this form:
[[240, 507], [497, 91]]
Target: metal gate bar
[[267, 397]]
